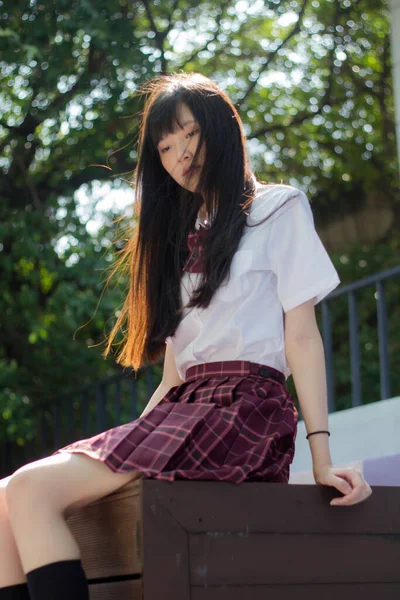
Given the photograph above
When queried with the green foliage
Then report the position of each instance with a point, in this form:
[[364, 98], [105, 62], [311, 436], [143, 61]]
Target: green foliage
[[15, 409], [312, 83]]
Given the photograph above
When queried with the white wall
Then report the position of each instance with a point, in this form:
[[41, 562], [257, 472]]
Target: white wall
[[357, 433]]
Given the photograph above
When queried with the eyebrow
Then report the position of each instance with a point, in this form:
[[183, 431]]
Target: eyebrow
[[183, 125]]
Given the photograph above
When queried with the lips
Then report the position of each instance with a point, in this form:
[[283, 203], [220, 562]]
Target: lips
[[190, 170]]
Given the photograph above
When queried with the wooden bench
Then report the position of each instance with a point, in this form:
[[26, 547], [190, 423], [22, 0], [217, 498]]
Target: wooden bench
[[205, 540]]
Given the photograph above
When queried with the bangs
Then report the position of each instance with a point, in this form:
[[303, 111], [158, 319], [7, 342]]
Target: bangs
[[163, 117]]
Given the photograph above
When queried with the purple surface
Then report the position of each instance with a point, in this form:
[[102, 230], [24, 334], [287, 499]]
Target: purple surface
[[383, 470]]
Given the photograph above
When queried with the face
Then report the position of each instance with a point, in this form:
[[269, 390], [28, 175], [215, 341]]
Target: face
[[177, 150]]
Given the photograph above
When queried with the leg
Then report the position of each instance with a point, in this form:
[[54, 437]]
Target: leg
[[11, 572], [39, 496]]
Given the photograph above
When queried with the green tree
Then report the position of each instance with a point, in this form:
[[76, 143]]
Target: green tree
[[312, 83]]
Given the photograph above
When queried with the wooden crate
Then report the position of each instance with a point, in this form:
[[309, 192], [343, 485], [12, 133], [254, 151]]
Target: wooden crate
[[201, 540]]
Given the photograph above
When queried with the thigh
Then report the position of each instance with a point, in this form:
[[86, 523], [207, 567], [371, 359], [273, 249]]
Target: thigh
[[66, 481]]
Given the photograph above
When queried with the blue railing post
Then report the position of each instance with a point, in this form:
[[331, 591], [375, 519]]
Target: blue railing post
[[85, 413], [354, 349], [134, 397], [70, 419], [383, 341], [327, 340], [56, 423], [118, 401], [100, 408]]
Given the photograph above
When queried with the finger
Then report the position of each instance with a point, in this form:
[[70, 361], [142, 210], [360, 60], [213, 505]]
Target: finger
[[349, 501], [341, 484], [351, 476], [359, 493], [363, 483]]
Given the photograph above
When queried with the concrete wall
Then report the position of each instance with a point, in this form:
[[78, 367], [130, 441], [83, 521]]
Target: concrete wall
[[365, 432]]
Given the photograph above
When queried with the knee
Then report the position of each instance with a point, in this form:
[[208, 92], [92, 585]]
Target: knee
[[4, 518], [4, 522], [3, 500], [22, 488]]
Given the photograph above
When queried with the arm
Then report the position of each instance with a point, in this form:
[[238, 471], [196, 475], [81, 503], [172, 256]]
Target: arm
[[169, 379], [305, 355]]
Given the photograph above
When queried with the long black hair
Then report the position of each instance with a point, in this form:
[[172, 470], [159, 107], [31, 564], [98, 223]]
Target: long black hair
[[166, 212]]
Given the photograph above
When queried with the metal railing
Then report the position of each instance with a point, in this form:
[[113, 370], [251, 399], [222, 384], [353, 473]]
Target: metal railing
[[87, 411], [79, 414], [350, 290]]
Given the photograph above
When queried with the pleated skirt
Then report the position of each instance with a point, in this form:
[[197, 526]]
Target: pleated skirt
[[229, 421]]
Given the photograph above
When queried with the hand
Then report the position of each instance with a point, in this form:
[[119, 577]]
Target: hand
[[347, 480]]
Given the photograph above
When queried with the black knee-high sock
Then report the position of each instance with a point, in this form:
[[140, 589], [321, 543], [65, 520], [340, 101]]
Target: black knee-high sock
[[15, 592], [62, 580]]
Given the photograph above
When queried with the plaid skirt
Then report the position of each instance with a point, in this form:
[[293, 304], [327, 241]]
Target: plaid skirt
[[229, 421]]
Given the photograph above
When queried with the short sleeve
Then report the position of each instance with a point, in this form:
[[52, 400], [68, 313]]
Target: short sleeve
[[298, 258]]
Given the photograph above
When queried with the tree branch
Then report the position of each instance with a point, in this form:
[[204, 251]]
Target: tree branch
[[28, 181], [278, 126], [4, 124], [326, 100], [150, 17], [272, 55], [171, 18], [216, 34], [161, 35]]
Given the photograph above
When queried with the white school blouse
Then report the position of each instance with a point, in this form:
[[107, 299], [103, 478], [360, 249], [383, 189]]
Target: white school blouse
[[277, 266]]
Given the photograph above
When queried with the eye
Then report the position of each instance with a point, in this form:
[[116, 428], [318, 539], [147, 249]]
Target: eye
[[191, 133]]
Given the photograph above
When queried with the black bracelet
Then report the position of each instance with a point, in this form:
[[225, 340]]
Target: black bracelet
[[314, 432]]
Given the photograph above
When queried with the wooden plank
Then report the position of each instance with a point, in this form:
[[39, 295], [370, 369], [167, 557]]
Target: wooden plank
[[355, 591], [165, 551], [109, 534], [121, 590], [275, 507], [226, 558], [189, 538]]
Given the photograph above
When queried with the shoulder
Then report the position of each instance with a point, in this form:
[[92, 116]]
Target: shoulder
[[273, 200]]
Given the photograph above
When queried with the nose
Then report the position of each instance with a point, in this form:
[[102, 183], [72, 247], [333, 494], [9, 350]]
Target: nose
[[184, 153]]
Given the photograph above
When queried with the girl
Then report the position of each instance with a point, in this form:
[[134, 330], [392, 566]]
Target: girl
[[225, 271]]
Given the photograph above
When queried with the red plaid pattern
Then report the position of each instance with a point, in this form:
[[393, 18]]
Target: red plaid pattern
[[195, 243], [229, 421]]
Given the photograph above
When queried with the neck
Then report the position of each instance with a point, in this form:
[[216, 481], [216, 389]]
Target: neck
[[203, 213]]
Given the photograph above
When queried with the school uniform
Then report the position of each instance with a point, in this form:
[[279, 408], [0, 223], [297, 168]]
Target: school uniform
[[233, 418]]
